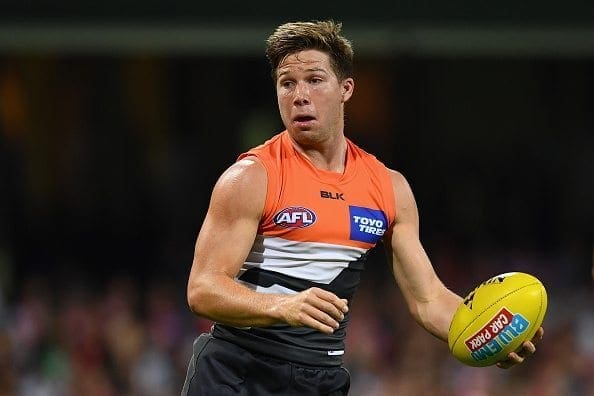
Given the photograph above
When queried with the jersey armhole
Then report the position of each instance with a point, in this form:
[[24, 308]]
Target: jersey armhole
[[391, 199], [271, 188]]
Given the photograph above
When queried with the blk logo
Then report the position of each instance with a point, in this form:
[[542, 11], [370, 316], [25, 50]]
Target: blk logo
[[332, 195], [295, 217]]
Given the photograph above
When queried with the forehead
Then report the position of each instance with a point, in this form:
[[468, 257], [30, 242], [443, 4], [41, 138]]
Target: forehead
[[305, 61]]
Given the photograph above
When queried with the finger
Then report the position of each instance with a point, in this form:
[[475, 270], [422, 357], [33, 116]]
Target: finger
[[344, 306], [341, 305], [317, 325], [515, 358], [326, 310], [319, 320], [538, 336], [512, 359], [528, 349], [329, 303], [337, 310], [327, 296], [505, 364]]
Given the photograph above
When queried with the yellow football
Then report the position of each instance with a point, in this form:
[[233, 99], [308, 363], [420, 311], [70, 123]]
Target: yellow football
[[496, 318]]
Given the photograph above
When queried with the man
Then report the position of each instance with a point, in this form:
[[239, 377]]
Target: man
[[282, 246]]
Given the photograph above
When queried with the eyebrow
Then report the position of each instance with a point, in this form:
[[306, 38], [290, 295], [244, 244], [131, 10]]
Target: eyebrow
[[313, 69]]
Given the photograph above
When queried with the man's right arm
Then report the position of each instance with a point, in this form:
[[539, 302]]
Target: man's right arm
[[224, 241]]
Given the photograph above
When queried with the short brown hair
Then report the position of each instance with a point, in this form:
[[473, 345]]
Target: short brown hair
[[293, 37]]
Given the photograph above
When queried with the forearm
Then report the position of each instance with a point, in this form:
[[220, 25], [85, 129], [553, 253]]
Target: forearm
[[222, 299], [436, 314]]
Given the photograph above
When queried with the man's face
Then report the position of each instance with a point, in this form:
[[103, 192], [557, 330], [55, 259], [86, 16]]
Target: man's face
[[310, 97]]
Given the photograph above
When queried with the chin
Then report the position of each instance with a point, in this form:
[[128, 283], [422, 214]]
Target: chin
[[306, 137]]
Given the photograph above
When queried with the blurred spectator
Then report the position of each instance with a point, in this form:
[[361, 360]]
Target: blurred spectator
[[120, 340]]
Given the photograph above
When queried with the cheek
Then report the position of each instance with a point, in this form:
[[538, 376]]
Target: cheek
[[283, 107], [282, 102]]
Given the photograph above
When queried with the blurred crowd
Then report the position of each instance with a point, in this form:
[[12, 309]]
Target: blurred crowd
[[123, 338]]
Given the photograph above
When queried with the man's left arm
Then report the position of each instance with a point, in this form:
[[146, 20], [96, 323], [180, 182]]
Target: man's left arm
[[430, 302]]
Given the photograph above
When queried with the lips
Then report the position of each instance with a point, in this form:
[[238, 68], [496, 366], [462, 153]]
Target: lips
[[303, 118]]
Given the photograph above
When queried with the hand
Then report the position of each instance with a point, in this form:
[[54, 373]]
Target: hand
[[528, 349], [315, 308]]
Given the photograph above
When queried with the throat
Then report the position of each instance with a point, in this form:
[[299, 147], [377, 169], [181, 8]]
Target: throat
[[328, 154], [334, 161]]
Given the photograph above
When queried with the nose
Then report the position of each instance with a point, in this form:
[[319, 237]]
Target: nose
[[301, 94]]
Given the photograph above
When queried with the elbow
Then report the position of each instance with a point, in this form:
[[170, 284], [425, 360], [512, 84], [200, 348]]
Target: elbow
[[426, 318], [192, 298], [417, 312], [197, 298], [435, 315], [422, 310]]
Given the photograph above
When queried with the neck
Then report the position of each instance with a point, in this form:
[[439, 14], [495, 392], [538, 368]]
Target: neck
[[329, 155]]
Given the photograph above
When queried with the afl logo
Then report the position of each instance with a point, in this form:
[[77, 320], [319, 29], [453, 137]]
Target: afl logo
[[295, 217]]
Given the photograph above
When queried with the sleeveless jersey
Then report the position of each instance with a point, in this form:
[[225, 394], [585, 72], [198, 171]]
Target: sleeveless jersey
[[316, 229]]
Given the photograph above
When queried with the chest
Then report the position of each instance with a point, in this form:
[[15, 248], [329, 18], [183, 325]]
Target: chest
[[315, 209]]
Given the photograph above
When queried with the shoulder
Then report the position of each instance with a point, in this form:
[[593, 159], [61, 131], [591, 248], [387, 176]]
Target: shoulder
[[245, 174], [269, 149], [405, 200], [241, 187], [398, 179]]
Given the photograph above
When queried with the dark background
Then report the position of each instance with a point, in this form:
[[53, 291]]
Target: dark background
[[505, 11], [117, 118]]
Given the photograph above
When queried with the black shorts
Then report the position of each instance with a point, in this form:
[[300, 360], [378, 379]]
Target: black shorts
[[219, 368]]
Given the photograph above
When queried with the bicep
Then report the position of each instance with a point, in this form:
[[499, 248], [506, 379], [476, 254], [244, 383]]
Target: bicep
[[231, 222], [410, 264]]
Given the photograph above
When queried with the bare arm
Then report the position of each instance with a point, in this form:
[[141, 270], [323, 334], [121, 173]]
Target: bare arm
[[224, 242], [430, 302]]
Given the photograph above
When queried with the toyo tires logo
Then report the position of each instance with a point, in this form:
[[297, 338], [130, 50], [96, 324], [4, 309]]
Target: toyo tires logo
[[367, 225], [295, 217]]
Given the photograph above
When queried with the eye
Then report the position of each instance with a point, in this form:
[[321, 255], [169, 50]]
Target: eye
[[316, 80], [287, 84]]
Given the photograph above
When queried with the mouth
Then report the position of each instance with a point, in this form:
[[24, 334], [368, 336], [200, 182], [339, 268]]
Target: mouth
[[303, 119]]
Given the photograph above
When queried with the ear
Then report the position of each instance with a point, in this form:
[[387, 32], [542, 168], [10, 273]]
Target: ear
[[348, 86]]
